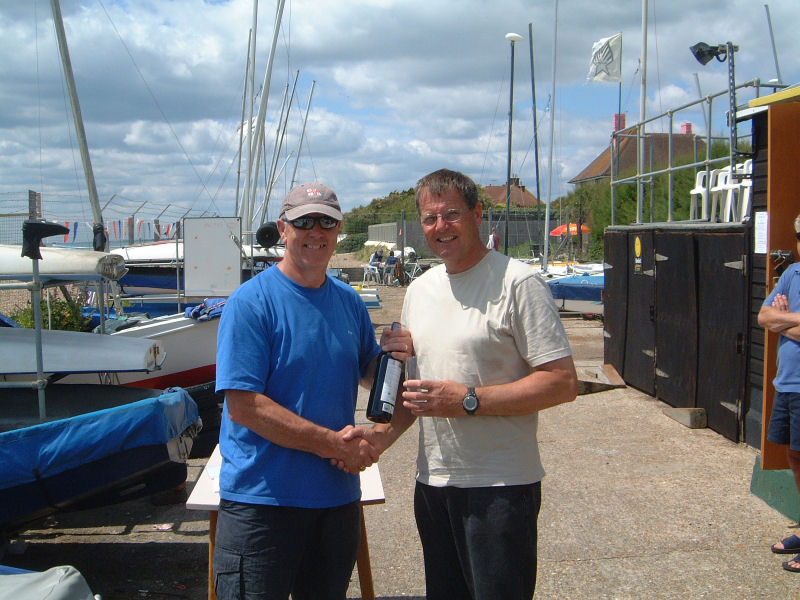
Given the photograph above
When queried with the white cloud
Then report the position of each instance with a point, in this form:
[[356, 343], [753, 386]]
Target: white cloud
[[403, 88]]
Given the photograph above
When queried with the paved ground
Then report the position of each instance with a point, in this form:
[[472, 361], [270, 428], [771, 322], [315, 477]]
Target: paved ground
[[635, 505]]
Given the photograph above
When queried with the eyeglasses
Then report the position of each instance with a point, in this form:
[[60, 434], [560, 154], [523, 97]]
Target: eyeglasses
[[797, 235], [450, 216], [308, 222]]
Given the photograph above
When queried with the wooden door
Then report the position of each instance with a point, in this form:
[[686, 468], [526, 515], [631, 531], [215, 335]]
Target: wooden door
[[722, 335], [615, 299], [676, 318], [640, 326]]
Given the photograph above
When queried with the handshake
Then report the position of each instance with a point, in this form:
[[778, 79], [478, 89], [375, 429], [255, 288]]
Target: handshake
[[358, 448]]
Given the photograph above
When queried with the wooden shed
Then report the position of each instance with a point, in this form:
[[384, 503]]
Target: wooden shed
[[681, 299]]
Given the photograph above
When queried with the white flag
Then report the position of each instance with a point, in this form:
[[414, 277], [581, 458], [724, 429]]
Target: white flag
[[606, 62]]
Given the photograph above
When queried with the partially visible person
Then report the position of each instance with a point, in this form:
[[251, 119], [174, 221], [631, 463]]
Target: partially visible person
[[494, 240], [780, 313], [293, 346], [491, 353], [389, 270]]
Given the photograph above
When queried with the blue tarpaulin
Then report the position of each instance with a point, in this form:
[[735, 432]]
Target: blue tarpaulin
[[32, 453], [577, 287]]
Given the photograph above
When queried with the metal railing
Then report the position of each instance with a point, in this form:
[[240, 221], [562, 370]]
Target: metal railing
[[642, 177]]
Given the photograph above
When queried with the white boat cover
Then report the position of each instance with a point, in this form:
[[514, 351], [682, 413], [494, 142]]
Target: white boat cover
[[58, 583], [68, 264], [76, 352]]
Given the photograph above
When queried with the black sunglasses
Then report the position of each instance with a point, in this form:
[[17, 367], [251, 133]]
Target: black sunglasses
[[307, 222], [797, 235]]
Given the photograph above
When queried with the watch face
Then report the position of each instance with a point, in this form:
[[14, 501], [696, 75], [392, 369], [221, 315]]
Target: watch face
[[470, 403]]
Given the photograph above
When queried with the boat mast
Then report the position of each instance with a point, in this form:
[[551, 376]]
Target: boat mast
[[241, 122], [552, 143], [244, 206], [80, 132], [262, 113]]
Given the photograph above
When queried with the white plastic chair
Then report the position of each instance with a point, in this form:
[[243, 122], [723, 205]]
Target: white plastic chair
[[699, 192], [742, 208], [720, 197], [370, 274]]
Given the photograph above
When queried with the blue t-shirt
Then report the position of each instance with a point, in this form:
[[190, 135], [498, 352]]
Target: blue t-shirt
[[306, 349], [788, 377]]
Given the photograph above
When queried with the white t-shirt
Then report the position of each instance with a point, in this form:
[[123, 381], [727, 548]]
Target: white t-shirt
[[489, 325]]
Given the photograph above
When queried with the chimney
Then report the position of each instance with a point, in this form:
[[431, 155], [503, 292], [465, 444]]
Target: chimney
[[619, 121], [686, 128]]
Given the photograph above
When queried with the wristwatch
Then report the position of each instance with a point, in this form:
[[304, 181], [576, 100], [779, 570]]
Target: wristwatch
[[470, 401]]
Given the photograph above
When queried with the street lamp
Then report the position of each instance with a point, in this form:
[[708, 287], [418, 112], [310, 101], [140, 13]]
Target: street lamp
[[511, 37], [722, 52]]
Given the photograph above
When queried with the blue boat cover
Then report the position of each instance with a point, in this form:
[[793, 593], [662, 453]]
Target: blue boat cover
[[47, 449], [578, 287], [210, 308]]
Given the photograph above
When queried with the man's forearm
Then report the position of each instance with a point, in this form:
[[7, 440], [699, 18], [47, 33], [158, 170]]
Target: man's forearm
[[776, 320]]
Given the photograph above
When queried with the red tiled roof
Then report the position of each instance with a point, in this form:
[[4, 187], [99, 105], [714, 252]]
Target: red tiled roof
[[520, 196], [683, 147]]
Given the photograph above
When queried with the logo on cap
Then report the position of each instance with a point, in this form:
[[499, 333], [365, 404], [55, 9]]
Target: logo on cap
[[312, 192]]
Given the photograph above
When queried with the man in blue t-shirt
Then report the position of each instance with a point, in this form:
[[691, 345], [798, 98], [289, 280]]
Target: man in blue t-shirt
[[780, 313], [293, 347]]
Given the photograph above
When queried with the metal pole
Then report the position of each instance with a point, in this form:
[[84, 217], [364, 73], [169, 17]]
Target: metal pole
[[511, 37], [552, 143], [774, 51], [732, 107], [535, 127], [640, 133]]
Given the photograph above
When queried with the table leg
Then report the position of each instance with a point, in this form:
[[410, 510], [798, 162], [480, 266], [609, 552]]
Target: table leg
[[364, 567], [212, 538]]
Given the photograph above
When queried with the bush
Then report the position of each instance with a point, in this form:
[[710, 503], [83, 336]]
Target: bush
[[352, 243], [64, 315]]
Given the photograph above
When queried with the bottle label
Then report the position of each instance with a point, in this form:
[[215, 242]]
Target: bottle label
[[394, 370]]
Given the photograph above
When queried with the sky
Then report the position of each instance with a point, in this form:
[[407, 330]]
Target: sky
[[401, 88]]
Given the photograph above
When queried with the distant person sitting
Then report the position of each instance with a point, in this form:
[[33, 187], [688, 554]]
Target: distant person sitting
[[388, 273], [376, 260]]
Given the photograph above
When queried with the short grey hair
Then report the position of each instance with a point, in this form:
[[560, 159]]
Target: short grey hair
[[444, 180]]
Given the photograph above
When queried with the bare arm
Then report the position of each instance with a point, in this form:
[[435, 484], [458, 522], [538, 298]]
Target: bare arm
[[779, 319], [550, 384], [281, 426]]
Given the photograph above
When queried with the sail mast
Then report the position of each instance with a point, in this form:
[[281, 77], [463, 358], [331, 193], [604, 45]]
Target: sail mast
[[77, 117]]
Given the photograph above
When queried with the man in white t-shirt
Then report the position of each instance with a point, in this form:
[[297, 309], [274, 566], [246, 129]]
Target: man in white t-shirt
[[491, 353]]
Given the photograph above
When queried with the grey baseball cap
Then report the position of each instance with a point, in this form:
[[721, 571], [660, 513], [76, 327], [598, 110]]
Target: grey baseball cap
[[308, 198]]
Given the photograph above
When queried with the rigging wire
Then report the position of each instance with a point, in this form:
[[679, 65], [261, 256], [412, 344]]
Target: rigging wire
[[491, 129], [155, 101]]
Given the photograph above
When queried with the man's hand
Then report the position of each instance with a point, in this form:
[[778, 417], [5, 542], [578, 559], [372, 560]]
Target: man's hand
[[425, 398], [356, 452], [780, 303], [398, 342]]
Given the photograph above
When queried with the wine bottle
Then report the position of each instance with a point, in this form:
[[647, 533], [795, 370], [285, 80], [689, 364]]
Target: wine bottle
[[383, 394]]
